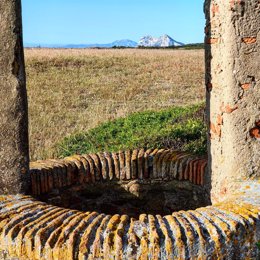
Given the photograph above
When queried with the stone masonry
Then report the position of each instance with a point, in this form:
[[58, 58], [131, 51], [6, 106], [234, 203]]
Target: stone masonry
[[43, 225], [13, 106], [155, 181], [233, 93], [32, 229]]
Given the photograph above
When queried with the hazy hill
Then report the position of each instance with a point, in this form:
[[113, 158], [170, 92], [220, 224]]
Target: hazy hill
[[118, 43]]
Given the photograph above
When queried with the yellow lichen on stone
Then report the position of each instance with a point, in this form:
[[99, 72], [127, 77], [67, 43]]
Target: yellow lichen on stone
[[144, 243]]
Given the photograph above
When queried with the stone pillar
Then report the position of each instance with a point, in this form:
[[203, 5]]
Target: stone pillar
[[14, 158], [233, 93]]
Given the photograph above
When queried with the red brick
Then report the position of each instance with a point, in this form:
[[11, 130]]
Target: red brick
[[218, 130], [229, 109], [255, 132], [245, 86], [202, 172], [213, 128], [214, 9], [195, 171], [219, 120], [200, 169], [212, 40], [249, 40]]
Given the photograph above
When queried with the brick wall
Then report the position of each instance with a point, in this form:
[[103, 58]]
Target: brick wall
[[232, 37]]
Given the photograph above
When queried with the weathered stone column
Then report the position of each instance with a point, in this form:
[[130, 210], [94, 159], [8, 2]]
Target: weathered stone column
[[14, 159], [233, 92]]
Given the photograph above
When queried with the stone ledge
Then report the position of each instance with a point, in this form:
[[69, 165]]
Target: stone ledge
[[125, 165], [30, 229]]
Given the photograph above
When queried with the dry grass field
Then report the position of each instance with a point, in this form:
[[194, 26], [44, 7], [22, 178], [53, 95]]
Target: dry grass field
[[74, 90]]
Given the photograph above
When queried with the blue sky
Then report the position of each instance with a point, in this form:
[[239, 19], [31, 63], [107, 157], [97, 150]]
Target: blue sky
[[103, 21]]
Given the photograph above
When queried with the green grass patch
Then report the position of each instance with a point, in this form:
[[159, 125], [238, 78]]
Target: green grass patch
[[180, 128]]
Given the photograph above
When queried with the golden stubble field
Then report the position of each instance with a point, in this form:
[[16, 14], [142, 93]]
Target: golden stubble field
[[70, 91]]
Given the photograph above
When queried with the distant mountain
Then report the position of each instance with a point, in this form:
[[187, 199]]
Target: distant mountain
[[146, 41], [163, 41], [119, 43], [124, 43]]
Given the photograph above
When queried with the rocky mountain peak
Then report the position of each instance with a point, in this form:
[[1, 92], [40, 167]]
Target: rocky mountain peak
[[163, 41]]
